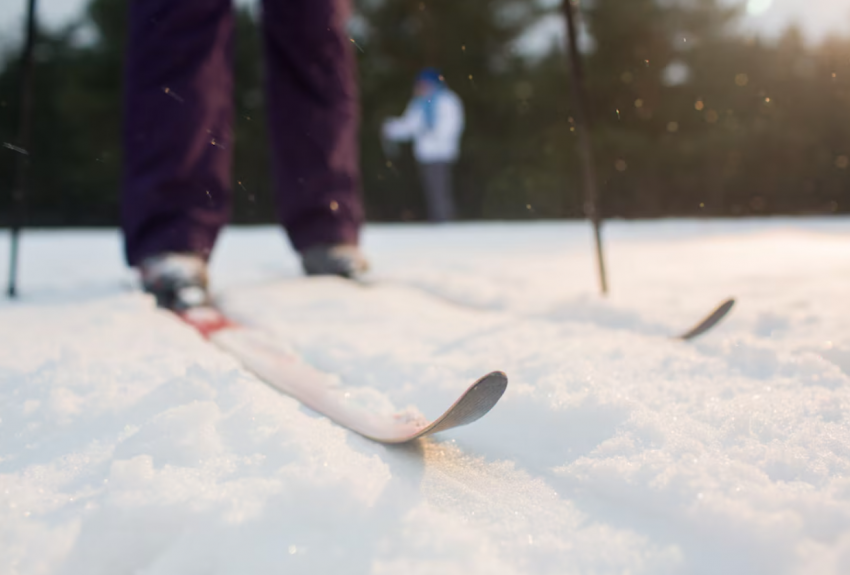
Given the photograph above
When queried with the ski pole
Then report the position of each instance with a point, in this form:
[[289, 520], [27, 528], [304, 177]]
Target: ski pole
[[23, 147], [591, 201]]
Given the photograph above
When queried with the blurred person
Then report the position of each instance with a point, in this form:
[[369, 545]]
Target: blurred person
[[178, 138], [434, 120]]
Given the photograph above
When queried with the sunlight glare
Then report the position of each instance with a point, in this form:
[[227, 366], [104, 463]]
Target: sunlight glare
[[756, 7]]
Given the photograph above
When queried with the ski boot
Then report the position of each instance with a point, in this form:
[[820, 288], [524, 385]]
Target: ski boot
[[177, 281], [344, 260]]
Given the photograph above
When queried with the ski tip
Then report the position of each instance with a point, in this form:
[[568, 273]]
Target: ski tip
[[710, 320], [486, 392], [496, 381], [472, 405], [475, 403], [724, 308]]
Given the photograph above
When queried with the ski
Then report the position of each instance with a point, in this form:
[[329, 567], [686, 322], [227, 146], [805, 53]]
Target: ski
[[708, 321], [284, 370]]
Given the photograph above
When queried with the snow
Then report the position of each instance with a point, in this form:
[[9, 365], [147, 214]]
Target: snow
[[129, 445]]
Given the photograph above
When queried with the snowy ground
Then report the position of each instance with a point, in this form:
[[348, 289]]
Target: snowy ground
[[130, 446]]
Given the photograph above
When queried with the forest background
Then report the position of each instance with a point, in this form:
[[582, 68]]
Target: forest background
[[690, 118]]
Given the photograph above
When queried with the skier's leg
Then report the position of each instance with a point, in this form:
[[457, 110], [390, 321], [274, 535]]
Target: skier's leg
[[313, 120], [436, 183], [446, 190], [426, 179], [177, 128]]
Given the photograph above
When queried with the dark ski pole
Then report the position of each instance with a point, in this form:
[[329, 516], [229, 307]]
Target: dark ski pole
[[23, 147], [591, 195]]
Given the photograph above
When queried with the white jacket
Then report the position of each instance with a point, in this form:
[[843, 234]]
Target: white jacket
[[440, 144]]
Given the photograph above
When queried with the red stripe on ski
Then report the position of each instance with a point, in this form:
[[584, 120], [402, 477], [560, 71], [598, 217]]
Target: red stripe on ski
[[206, 320]]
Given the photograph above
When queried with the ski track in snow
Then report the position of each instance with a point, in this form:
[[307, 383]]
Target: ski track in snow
[[129, 445]]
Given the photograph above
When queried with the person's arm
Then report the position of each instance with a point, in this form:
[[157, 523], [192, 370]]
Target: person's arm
[[405, 127]]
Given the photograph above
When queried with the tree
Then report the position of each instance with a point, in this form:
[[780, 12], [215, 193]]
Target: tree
[[749, 128]]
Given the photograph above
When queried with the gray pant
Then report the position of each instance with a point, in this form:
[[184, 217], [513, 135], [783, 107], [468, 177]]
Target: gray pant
[[436, 180]]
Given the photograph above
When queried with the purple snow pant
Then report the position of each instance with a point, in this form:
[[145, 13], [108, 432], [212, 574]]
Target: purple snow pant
[[178, 129]]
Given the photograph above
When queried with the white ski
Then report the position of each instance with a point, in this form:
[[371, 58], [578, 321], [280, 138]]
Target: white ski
[[286, 372]]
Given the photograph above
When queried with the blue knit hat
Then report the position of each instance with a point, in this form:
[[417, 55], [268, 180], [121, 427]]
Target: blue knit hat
[[430, 75]]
